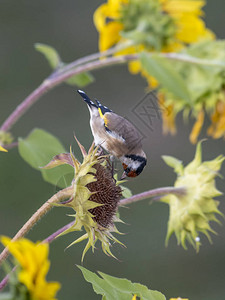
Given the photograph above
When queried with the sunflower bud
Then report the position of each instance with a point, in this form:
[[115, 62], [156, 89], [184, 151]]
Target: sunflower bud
[[191, 213], [5, 139], [94, 199]]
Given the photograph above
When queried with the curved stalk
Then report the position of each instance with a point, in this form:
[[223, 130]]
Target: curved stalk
[[153, 193], [61, 195], [65, 194], [51, 82], [90, 62]]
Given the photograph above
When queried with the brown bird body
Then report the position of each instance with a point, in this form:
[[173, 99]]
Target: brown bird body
[[117, 136]]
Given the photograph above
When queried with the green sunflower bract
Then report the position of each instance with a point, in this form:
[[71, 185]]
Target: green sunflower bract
[[95, 198], [191, 213]]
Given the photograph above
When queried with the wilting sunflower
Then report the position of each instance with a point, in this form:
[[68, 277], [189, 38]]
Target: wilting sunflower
[[191, 213], [94, 199], [205, 84]]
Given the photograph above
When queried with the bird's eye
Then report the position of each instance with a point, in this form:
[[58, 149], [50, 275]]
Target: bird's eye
[[127, 170]]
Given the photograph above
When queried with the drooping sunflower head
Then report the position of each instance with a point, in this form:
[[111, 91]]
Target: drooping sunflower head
[[190, 214], [94, 199]]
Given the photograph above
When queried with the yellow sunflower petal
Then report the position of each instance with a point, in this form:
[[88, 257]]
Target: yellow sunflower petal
[[220, 129], [182, 6], [46, 291], [217, 128], [14, 249], [3, 149], [110, 10], [134, 67], [191, 29], [100, 16], [109, 36], [152, 82], [197, 127], [168, 115], [34, 263]]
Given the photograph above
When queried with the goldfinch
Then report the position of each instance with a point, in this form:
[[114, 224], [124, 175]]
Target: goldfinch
[[117, 136]]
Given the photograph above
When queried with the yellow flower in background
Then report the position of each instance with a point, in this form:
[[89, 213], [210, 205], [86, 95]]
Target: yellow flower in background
[[217, 129], [33, 267], [109, 31], [187, 17], [191, 213], [205, 85], [170, 26], [197, 127], [173, 23], [168, 115], [150, 25], [3, 149]]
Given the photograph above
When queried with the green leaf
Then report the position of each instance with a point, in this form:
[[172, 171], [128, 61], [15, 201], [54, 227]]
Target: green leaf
[[6, 296], [54, 60], [38, 149], [126, 193], [50, 54], [162, 70], [111, 287], [99, 285], [81, 80]]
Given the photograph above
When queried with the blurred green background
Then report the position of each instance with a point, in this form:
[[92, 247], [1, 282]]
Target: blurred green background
[[68, 26]]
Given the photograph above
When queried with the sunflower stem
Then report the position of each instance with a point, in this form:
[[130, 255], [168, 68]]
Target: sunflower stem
[[55, 79], [61, 195], [92, 57], [5, 280], [156, 193], [88, 63], [153, 193], [191, 59], [54, 235]]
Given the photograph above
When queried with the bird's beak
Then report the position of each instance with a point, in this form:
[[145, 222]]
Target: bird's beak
[[124, 175]]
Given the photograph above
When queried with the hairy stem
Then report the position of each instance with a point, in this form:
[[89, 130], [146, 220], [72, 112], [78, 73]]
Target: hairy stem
[[153, 193], [156, 193], [66, 192], [92, 57], [90, 62], [58, 78], [192, 60], [54, 235], [61, 195]]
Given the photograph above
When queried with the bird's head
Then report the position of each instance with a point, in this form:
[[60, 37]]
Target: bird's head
[[133, 165]]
